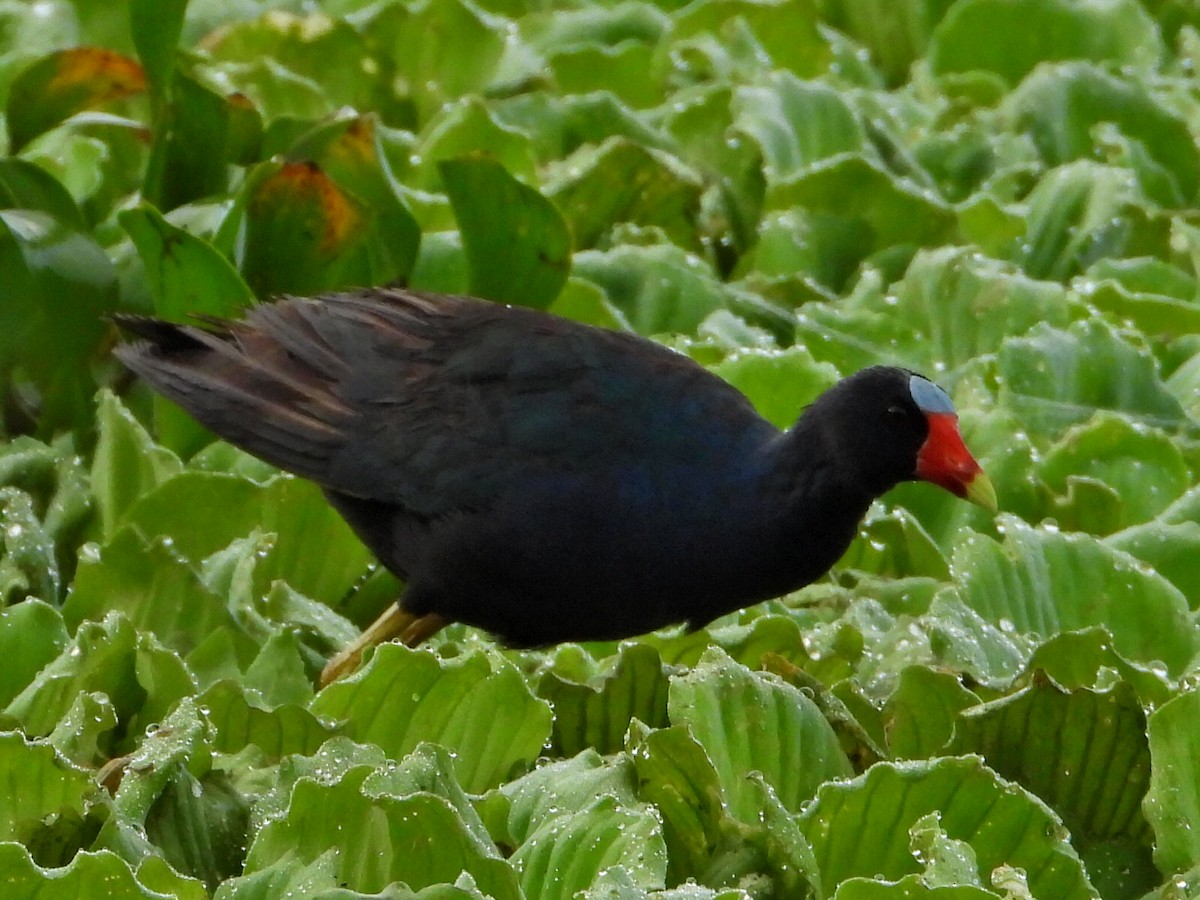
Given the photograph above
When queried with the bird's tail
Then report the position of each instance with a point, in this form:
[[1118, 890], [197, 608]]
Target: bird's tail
[[267, 385]]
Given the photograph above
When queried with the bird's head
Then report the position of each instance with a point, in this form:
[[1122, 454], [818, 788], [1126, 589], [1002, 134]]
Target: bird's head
[[890, 425]]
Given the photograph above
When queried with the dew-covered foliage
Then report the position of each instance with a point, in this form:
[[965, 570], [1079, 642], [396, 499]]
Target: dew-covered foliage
[[1001, 194]]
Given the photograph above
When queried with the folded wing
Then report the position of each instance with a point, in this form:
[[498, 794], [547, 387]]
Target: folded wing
[[435, 402]]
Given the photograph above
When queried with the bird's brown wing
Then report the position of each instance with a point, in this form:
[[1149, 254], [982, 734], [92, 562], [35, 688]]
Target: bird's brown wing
[[436, 402]]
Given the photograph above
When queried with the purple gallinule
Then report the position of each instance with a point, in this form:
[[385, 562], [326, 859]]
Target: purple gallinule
[[545, 480]]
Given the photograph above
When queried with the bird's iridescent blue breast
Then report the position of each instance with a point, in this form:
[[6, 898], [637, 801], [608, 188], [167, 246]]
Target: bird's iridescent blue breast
[[928, 396]]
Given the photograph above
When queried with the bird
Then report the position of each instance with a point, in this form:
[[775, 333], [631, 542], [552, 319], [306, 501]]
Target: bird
[[542, 479]]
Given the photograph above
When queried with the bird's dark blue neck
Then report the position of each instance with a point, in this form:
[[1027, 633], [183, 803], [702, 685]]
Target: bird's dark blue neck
[[797, 515], [819, 503]]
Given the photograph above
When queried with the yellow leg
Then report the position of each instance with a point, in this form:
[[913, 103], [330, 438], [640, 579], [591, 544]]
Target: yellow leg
[[394, 622], [424, 627]]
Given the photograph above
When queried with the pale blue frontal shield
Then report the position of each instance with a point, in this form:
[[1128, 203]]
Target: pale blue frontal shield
[[928, 396]]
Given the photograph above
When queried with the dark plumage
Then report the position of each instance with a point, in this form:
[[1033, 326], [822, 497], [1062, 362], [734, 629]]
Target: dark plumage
[[542, 479]]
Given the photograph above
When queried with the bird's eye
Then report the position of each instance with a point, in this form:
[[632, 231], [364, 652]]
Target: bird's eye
[[896, 411]]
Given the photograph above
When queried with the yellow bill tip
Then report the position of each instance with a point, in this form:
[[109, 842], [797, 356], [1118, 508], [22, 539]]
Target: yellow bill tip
[[980, 491]]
